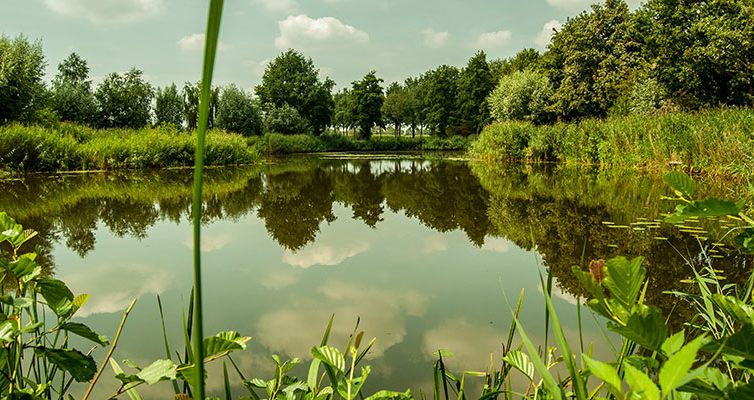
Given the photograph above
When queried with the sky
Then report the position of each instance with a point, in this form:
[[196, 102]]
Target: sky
[[345, 38]]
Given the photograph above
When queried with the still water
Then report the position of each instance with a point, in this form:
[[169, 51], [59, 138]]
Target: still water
[[427, 253]]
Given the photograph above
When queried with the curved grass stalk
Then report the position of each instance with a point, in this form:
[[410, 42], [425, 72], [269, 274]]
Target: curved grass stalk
[[210, 50]]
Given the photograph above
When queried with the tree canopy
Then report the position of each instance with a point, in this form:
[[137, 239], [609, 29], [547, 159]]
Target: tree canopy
[[292, 79]]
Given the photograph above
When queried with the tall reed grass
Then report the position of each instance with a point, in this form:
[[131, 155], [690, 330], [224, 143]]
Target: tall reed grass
[[74, 147], [720, 140], [274, 144]]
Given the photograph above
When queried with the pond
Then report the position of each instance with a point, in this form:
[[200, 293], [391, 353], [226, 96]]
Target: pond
[[427, 254]]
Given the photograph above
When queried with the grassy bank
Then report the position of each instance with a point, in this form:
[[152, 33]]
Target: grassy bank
[[714, 140], [276, 144], [74, 147]]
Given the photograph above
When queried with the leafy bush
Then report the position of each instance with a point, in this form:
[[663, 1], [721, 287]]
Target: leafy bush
[[286, 120], [522, 95]]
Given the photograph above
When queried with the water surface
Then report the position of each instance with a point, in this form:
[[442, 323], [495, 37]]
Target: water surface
[[428, 254]]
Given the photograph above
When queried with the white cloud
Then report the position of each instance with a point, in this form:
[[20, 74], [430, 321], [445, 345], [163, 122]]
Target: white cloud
[[493, 40], [106, 11], [323, 252], [210, 243], [277, 6], [434, 244], [298, 31], [498, 245], [195, 42], [280, 279], [383, 311], [112, 289], [543, 38], [470, 343], [434, 39], [569, 4]]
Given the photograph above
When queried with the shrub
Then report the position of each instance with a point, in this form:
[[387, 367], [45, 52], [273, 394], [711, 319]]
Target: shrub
[[523, 95]]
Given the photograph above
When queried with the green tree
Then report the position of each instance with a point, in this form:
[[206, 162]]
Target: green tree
[[703, 50], [474, 85], [440, 98], [72, 97], [191, 105], [368, 99], [286, 120], [524, 59], [292, 79], [124, 101], [168, 106], [523, 95], [395, 108], [415, 89], [21, 68], [344, 105], [238, 112], [593, 60]]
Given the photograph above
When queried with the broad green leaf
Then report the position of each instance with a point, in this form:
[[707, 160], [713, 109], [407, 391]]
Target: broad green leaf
[[710, 207], [673, 343], [390, 395], [157, 371], [624, 278], [742, 392], [7, 330], [740, 344], [22, 267], [223, 343], [606, 373], [59, 298], [330, 356], [85, 332], [745, 240], [521, 362], [80, 300], [132, 393], [80, 366], [356, 384], [674, 372], [17, 302], [641, 385], [680, 182], [646, 327]]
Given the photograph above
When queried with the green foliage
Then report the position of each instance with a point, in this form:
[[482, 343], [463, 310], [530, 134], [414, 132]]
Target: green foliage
[[440, 105], [292, 79], [124, 101], [526, 59], [523, 96], [589, 74], [395, 108], [72, 98], [22, 66], [238, 112], [36, 353], [703, 52], [74, 147], [474, 85], [271, 144], [368, 99], [168, 106], [285, 120], [714, 140]]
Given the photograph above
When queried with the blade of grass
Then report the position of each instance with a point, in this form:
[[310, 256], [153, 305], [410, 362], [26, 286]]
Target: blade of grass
[[176, 389], [226, 382], [210, 50], [578, 384], [110, 352]]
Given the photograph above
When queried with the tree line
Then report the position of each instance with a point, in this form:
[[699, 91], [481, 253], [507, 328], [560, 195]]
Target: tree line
[[667, 55]]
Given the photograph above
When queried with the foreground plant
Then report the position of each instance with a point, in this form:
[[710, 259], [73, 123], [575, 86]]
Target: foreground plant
[[36, 360]]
